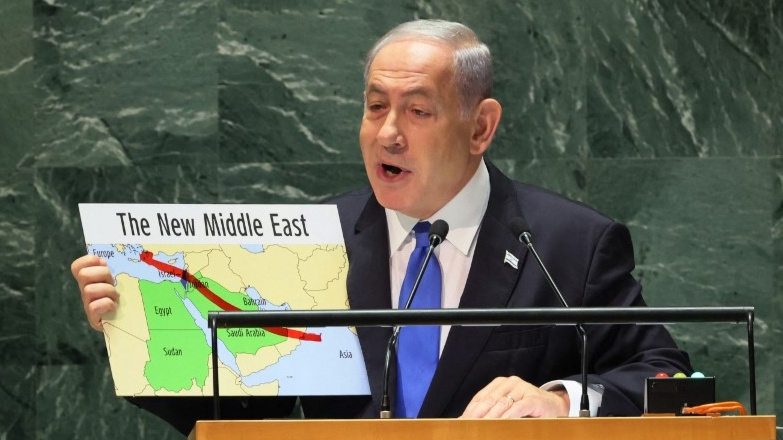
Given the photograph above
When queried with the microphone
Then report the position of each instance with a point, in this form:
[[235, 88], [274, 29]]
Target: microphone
[[521, 230], [438, 231]]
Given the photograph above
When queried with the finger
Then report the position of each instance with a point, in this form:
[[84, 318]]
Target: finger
[[97, 309], [85, 261], [509, 395], [93, 275], [486, 398], [480, 403], [525, 407], [504, 397], [477, 409], [539, 403], [501, 408], [96, 291], [98, 299]]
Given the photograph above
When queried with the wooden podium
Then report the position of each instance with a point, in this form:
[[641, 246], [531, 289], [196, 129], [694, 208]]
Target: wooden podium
[[599, 428]]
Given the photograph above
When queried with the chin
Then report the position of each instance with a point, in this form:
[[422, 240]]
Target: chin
[[389, 202], [393, 203]]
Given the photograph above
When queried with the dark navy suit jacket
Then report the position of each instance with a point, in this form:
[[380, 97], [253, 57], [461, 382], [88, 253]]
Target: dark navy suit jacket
[[589, 255]]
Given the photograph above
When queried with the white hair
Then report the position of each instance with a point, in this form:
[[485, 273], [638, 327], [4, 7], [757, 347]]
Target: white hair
[[472, 60]]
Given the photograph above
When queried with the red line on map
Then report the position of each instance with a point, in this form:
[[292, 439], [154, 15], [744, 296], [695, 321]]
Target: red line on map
[[146, 256]]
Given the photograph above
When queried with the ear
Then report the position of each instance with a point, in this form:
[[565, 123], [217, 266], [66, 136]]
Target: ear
[[485, 122]]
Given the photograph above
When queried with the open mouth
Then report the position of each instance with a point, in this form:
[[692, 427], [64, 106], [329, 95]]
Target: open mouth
[[391, 170]]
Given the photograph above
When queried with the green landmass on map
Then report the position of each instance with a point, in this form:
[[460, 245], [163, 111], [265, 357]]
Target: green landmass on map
[[239, 340], [177, 360]]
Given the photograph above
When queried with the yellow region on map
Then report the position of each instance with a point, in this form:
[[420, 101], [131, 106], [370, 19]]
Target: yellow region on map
[[306, 277], [265, 356], [126, 334]]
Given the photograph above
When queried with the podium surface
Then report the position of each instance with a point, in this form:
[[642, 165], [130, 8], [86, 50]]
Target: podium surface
[[599, 428]]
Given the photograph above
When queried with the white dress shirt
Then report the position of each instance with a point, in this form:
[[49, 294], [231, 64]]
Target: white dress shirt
[[463, 214]]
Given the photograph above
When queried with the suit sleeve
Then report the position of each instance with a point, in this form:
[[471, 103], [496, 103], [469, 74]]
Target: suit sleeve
[[622, 356]]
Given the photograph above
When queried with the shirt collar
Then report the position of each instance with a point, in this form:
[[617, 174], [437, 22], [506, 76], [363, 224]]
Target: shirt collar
[[463, 213]]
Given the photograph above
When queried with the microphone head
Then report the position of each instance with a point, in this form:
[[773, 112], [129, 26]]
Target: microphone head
[[519, 226], [438, 231], [520, 229]]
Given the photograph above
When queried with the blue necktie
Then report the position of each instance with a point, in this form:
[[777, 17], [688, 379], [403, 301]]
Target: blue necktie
[[418, 346]]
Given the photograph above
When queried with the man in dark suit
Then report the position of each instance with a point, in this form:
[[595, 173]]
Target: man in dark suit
[[428, 119], [591, 258]]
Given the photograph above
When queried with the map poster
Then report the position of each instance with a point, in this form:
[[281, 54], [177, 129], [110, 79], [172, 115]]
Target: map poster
[[172, 264]]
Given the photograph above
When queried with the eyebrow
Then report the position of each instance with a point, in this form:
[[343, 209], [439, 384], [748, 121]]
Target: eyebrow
[[421, 91]]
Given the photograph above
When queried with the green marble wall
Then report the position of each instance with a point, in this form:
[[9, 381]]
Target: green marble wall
[[665, 114]]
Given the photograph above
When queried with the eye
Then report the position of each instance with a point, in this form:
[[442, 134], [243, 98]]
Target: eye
[[419, 112]]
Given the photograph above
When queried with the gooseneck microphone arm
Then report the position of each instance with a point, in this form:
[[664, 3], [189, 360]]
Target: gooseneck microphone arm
[[521, 230], [437, 234]]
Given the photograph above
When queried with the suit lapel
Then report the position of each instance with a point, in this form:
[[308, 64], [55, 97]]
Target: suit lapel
[[369, 287], [490, 284]]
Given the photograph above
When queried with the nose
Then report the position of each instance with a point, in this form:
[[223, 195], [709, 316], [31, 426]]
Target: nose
[[390, 135]]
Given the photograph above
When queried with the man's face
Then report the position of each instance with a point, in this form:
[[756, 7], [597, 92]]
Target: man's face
[[416, 149]]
